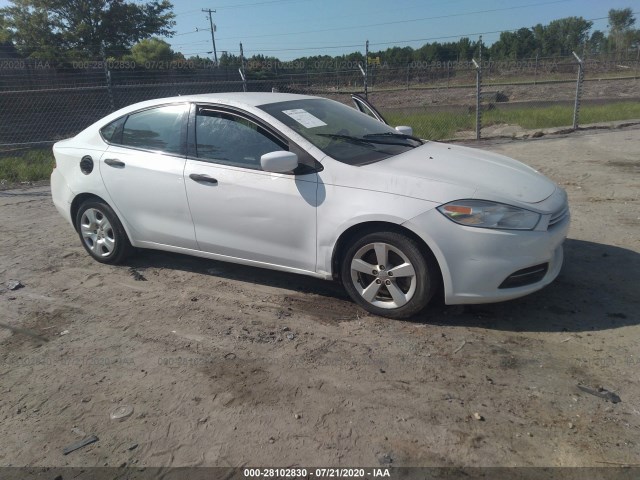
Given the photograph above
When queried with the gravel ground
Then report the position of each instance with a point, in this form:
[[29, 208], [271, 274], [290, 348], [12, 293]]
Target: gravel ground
[[225, 365], [542, 93]]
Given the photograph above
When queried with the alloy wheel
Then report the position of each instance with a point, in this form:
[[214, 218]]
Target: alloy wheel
[[383, 275], [97, 232]]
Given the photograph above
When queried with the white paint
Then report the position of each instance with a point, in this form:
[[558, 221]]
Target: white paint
[[292, 223]]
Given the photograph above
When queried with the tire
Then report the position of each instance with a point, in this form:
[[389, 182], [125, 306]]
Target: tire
[[101, 232], [388, 274]]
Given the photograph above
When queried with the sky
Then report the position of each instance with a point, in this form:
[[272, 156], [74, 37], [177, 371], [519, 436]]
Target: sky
[[290, 29]]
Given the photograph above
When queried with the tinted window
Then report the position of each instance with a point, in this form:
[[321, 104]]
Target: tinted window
[[114, 128], [232, 140], [155, 129]]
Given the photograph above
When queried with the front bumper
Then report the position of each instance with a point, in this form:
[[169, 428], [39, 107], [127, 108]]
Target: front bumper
[[475, 262]]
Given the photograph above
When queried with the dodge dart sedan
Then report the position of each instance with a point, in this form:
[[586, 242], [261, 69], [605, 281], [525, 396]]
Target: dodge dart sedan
[[311, 186]]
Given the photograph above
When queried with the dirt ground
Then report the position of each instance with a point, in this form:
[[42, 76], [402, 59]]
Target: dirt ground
[[225, 365]]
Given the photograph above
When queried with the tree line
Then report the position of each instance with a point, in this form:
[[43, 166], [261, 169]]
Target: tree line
[[64, 31]]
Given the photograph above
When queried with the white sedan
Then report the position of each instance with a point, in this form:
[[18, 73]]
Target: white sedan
[[311, 186]]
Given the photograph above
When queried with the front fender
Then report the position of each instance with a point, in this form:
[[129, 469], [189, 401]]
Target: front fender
[[345, 207]]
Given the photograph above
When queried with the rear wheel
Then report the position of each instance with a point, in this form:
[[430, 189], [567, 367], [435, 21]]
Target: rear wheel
[[101, 232], [388, 275]]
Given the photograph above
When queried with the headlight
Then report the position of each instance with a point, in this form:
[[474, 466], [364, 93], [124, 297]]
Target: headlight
[[485, 214]]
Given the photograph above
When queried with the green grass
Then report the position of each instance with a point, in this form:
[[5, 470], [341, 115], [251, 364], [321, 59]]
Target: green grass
[[530, 118], [610, 112], [443, 125], [434, 126], [32, 166]]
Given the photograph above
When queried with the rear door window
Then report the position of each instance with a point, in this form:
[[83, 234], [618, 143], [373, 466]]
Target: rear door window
[[156, 129]]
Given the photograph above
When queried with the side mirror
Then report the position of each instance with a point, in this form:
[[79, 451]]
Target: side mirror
[[405, 130], [279, 162]]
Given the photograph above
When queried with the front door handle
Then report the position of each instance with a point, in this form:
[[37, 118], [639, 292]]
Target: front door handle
[[112, 162], [196, 177]]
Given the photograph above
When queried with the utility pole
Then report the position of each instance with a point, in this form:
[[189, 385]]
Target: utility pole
[[213, 38]]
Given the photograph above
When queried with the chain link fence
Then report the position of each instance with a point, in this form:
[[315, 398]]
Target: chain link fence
[[462, 100], [528, 97]]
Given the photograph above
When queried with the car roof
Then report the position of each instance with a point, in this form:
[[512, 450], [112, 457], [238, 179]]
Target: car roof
[[243, 100], [251, 99]]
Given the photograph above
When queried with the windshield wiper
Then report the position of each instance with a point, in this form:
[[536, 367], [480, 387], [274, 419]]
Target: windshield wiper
[[364, 140], [394, 135], [345, 137]]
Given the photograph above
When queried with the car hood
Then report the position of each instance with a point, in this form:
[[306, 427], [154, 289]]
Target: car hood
[[489, 175]]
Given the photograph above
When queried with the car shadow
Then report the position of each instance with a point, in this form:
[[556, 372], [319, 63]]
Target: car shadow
[[232, 271], [597, 289], [323, 301]]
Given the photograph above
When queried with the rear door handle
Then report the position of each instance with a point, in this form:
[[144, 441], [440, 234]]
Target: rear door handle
[[196, 177], [112, 162]]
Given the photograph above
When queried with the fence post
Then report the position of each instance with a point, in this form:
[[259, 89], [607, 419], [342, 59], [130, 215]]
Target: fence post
[[112, 101], [364, 76], [576, 105], [107, 76], [366, 69], [535, 72], [242, 72], [408, 64], [478, 91]]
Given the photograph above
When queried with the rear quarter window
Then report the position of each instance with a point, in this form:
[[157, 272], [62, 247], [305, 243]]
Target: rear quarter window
[[112, 132]]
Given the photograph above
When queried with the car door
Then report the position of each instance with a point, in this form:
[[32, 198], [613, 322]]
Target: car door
[[238, 209], [365, 107], [142, 170]]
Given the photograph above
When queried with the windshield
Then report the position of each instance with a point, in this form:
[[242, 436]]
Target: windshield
[[340, 131]]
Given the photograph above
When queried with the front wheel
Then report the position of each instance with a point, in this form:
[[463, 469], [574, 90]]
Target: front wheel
[[101, 232], [388, 275]]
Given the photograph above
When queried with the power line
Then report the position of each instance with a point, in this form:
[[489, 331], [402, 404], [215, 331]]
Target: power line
[[197, 30], [412, 20], [288, 22], [242, 5], [468, 34], [395, 42], [188, 12], [257, 4]]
